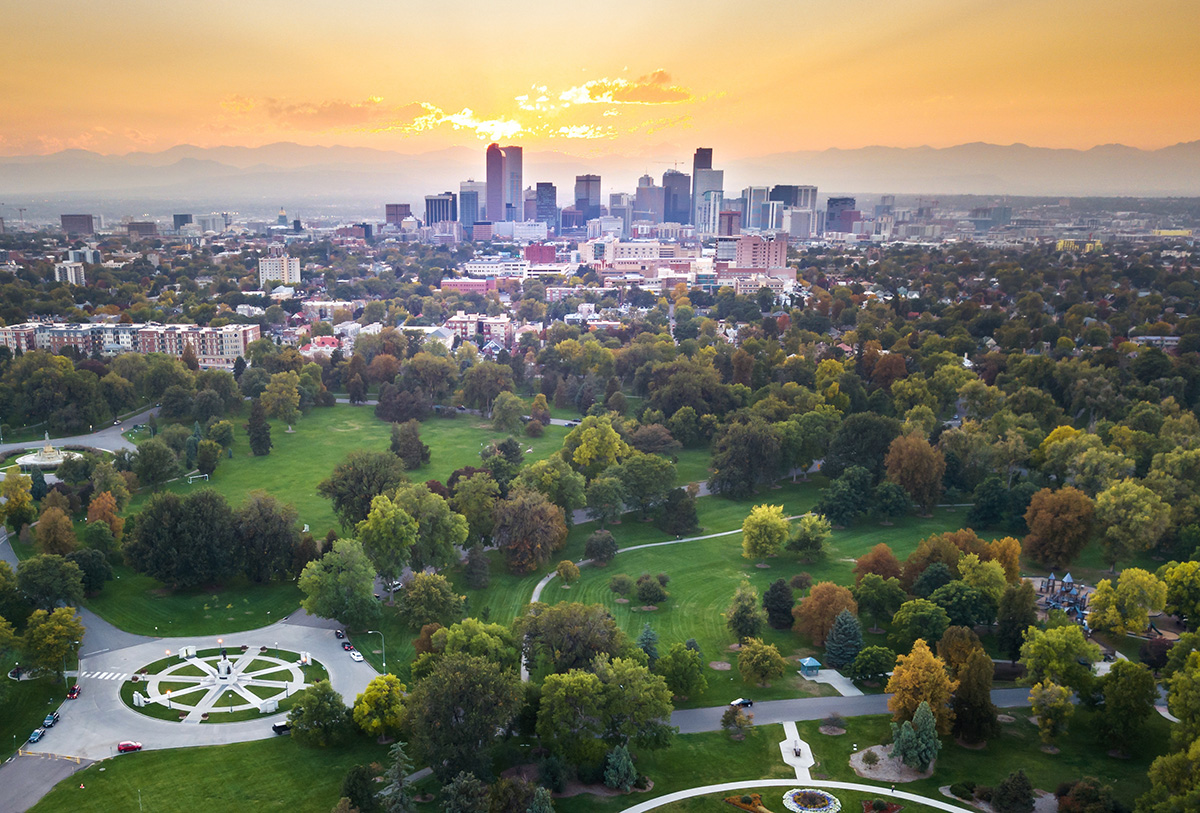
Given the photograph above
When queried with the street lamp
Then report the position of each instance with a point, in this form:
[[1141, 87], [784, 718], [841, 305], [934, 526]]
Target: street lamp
[[382, 646], [168, 699]]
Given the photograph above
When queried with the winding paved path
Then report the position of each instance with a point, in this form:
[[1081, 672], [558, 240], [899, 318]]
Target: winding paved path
[[899, 795], [110, 438]]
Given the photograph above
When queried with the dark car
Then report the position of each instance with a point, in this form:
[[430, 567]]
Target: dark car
[[339, 633], [346, 645], [123, 747], [50, 720], [74, 692], [281, 728], [742, 702]]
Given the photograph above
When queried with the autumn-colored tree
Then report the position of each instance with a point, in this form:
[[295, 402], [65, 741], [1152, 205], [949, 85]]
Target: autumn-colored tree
[[103, 508], [1133, 518], [1060, 524], [918, 468], [1183, 590], [921, 676], [1006, 552], [816, 612], [879, 560], [1126, 608], [937, 548], [567, 571], [956, 646], [760, 663], [55, 533], [1052, 705], [528, 528], [764, 531]]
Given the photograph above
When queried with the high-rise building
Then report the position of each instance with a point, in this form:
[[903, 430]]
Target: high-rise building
[[797, 197], [179, 221], [708, 216], [677, 197], [495, 183], [441, 208], [703, 182], [70, 273], [753, 198], [282, 269], [649, 202], [472, 195], [394, 213], [729, 223], [78, 224], [701, 159], [514, 191], [886, 205], [840, 215], [587, 195], [547, 205], [620, 204]]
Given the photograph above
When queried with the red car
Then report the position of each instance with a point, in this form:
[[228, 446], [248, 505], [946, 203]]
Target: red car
[[122, 747], [74, 692]]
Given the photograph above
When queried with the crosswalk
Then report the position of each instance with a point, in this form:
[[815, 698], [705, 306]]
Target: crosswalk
[[104, 675]]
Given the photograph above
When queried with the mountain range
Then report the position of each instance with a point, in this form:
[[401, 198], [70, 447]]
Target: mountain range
[[298, 175]]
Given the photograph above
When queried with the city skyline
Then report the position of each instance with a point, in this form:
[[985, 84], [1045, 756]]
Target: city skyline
[[783, 76]]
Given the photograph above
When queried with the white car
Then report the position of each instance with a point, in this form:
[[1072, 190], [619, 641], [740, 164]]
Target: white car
[[355, 655]]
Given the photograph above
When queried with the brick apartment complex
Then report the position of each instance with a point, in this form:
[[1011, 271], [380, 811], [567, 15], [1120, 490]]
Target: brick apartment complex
[[215, 347]]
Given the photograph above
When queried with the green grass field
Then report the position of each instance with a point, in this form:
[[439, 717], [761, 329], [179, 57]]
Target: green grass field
[[25, 704], [1084, 752]]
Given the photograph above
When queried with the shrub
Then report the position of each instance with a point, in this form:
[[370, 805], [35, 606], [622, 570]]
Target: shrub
[[534, 429], [801, 581], [879, 804], [834, 720], [600, 547], [961, 790], [870, 759], [747, 799], [663, 578], [620, 584], [650, 590]]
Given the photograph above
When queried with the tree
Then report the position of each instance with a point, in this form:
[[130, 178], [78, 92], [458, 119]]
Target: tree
[[683, 671], [647, 642], [17, 499], [974, 712], [543, 801], [745, 455], [743, 616], [1018, 612], [918, 468], [1060, 524], [956, 646], [430, 597], [475, 498], [454, 713], [156, 463], [94, 566], [55, 533], [1133, 519], [258, 431], [1054, 709], [918, 619], [1129, 692], [528, 530], [619, 773], [37, 484], [52, 637], [1183, 699], [560, 484], [267, 537], [208, 455], [809, 536], [646, 481], [463, 794], [873, 663], [988, 578], [1126, 608], [862, 439], [379, 710], [760, 663], [920, 677], [737, 721], [1087, 796], [844, 641], [406, 444], [319, 716], [600, 547], [1014, 794], [816, 612], [605, 499], [778, 601], [677, 514], [847, 498], [1183, 590], [1059, 654], [97, 536], [281, 398], [964, 605], [341, 585], [878, 560], [507, 412], [221, 433], [654, 438], [387, 536], [567, 571], [877, 597], [46, 580], [396, 794], [478, 570], [358, 480], [483, 382], [764, 531], [569, 635], [915, 742], [651, 591], [889, 501]]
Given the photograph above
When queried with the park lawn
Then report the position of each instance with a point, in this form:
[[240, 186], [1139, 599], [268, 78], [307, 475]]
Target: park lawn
[[772, 799], [25, 704], [692, 465], [1084, 752], [693, 760], [267, 775]]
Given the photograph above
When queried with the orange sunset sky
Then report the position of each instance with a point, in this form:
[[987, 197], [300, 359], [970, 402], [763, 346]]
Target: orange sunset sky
[[620, 76]]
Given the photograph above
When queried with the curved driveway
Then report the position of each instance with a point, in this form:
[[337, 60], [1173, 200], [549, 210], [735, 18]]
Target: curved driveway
[[110, 438], [899, 795]]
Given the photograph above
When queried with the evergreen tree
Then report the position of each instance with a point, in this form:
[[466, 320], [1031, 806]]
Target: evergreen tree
[[359, 788], [397, 794], [1018, 612], [916, 743], [619, 773], [239, 367], [191, 448], [478, 569], [258, 431], [463, 794], [1014, 794], [974, 712], [743, 616], [406, 445], [778, 601], [542, 802], [37, 488], [844, 641], [647, 641]]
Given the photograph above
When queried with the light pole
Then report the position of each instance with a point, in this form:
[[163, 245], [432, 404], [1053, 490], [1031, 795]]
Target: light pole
[[168, 699], [382, 646]]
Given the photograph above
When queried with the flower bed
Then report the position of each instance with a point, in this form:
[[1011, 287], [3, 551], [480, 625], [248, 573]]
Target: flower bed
[[811, 800]]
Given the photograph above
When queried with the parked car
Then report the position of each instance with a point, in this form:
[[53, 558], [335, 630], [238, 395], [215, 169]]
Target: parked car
[[50, 720], [37, 734], [355, 655], [346, 645], [339, 633], [281, 728], [742, 702], [122, 747], [73, 692]]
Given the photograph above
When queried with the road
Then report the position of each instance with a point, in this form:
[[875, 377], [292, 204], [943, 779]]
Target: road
[[110, 438]]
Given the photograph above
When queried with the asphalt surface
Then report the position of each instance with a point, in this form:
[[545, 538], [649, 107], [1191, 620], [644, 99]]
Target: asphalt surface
[[110, 438], [26, 779]]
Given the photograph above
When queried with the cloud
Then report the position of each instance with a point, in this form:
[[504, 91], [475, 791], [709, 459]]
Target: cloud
[[652, 89], [493, 129], [334, 115]]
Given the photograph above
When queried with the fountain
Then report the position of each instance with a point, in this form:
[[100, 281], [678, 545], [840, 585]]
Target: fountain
[[46, 458]]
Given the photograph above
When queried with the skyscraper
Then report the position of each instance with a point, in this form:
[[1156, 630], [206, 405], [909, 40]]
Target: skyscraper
[[514, 191], [495, 183], [753, 198], [702, 159], [705, 181], [547, 205], [394, 213], [472, 195], [840, 215], [587, 195], [441, 208], [677, 197]]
